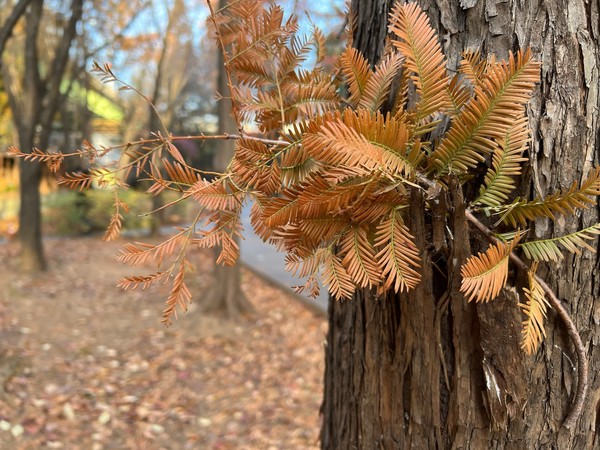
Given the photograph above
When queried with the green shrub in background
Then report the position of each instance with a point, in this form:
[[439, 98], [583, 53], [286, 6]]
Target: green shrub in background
[[101, 209], [64, 213], [74, 213]]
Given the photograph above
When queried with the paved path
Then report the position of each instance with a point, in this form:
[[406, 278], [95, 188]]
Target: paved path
[[269, 263]]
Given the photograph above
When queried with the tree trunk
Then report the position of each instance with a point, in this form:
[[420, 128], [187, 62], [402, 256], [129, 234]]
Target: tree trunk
[[33, 111], [30, 217], [155, 124], [428, 370], [226, 296], [27, 120]]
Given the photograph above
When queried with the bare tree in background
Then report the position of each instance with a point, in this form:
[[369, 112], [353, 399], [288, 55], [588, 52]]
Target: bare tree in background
[[225, 296], [168, 85], [7, 27], [40, 66], [34, 106]]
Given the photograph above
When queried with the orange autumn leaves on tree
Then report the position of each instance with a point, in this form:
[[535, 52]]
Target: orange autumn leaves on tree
[[331, 176]]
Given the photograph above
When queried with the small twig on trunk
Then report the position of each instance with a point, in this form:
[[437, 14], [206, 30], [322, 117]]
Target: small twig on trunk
[[582, 373]]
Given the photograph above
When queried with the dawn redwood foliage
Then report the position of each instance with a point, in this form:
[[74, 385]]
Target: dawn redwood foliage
[[341, 156]]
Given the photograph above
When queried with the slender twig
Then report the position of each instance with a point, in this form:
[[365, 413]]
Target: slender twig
[[232, 136], [582, 373], [227, 6], [13, 151], [202, 137], [281, 105]]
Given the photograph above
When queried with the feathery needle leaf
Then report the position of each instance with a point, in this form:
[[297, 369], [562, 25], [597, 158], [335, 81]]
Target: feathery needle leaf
[[398, 256], [535, 310], [549, 250], [506, 164], [488, 116], [424, 58], [568, 202], [485, 274], [180, 296]]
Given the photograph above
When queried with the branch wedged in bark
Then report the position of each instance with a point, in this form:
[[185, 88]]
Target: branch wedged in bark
[[583, 371]]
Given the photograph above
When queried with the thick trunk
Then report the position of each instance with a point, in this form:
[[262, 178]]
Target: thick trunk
[[428, 370], [33, 114], [225, 296], [27, 120], [30, 220], [30, 211]]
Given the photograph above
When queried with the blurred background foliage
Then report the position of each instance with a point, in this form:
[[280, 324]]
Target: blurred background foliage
[[162, 48], [69, 213]]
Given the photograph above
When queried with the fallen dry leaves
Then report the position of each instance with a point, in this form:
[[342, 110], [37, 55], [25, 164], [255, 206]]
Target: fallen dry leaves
[[86, 366]]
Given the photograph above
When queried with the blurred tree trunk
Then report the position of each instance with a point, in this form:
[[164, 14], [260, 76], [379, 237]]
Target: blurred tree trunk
[[9, 24], [162, 94], [34, 109], [155, 123], [225, 296], [427, 370]]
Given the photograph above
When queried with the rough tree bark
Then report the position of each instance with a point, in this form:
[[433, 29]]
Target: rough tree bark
[[428, 370], [33, 112], [225, 296]]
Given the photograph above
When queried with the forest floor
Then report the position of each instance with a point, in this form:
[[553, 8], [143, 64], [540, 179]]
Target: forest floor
[[84, 365]]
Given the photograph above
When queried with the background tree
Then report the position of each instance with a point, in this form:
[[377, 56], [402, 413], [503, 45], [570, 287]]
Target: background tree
[[225, 296], [174, 66], [33, 111], [41, 66], [9, 23], [169, 83], [426, 369]]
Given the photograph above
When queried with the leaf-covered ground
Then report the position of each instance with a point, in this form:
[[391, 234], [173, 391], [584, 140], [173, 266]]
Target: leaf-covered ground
[[85, 366]]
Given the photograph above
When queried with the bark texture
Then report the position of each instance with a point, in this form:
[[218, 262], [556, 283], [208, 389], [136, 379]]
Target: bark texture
[[428, 370]]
